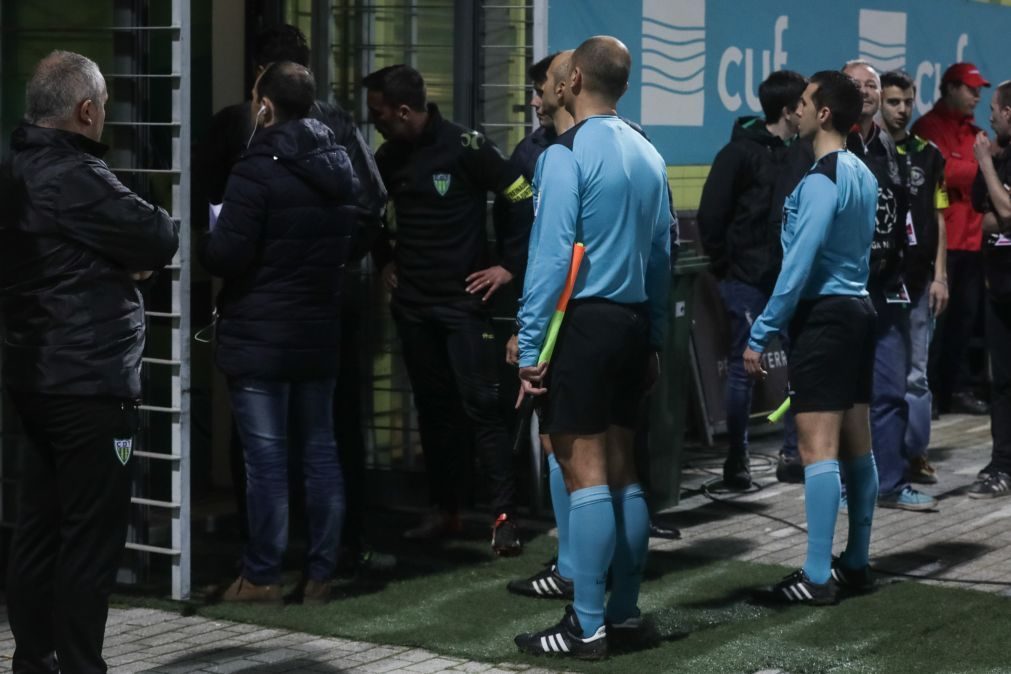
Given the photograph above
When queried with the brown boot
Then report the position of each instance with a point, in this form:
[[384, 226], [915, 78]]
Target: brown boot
[[316, 592], [245, 591], [920, 471]]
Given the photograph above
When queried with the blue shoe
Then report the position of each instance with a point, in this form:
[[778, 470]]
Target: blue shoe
[[907, 499]]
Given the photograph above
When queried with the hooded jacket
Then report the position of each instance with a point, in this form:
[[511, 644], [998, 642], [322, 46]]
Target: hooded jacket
[[738, 223], [280, 244], [70, 236]]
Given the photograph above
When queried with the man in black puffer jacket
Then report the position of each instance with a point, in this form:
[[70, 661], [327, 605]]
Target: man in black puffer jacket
[[74, 243], [280, 244]]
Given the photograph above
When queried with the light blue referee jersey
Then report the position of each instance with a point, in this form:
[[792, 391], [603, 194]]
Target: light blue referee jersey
[[605, 185], [827, 232]]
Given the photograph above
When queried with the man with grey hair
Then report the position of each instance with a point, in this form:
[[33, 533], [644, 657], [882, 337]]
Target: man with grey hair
[[74, 246]]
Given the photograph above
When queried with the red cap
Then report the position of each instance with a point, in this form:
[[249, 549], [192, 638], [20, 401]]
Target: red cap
[[966, 73]]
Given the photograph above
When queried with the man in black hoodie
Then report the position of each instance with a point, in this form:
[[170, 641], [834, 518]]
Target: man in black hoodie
[[74, 243], [740, 233], [280, 244]]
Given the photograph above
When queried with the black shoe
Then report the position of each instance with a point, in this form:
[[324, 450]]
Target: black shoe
[[967, 403], [668, 533], [566, 639], [797, 588], [859, 580], [789, 469], [505, 539], [995, 484], [737, 471], [545, 584], [634, 634]]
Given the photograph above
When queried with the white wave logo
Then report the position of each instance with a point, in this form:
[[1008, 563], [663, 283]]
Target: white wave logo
[[883, 39], [673, 62]]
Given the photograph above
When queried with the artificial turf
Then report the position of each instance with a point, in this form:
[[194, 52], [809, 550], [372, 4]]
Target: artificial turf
[[451, 599]]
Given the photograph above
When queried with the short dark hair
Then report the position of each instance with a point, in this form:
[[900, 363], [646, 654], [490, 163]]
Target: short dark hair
[[538, 72], [897, 78], [781, 89], [280, 43], [1003, 92], [839, 93], [400, 85], [290, 86], [605, 65]]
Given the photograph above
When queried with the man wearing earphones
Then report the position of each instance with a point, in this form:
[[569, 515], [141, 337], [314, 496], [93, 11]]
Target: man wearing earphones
[[439, 175], [230, 133]]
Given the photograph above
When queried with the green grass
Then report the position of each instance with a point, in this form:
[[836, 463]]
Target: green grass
[[453, 602]]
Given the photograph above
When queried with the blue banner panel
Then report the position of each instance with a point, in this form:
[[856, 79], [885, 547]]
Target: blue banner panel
[[697, 64]]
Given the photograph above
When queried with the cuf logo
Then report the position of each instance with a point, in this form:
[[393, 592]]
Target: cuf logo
[[441, 181], [123, 449]]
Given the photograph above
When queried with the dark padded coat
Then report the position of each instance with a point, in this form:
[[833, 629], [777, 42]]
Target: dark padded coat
[[280, 244], [70, 236]]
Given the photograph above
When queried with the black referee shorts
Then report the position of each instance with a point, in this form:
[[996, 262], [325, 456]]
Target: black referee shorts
[[597, 375], [831, 361]]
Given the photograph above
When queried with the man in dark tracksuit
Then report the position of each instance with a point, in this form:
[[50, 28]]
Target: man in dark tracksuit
[[438, 174], [990, 197], [740, 233], [74, 243], [230, 132]]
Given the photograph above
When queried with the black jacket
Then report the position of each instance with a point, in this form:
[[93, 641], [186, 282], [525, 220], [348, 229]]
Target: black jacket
[[70, 235], [996, 247], [739, 221], [439, 188], [280, 244], [231, 128]]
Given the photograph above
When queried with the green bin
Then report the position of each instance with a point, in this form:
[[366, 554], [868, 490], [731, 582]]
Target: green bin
[[670, 399]]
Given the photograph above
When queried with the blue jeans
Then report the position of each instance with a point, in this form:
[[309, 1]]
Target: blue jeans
[[275, 418], [889, 410], [918, 396], [744, 303]]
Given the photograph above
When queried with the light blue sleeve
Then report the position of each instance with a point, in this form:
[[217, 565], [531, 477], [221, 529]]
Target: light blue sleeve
[[556, 181], [816, 206], [658, 271]]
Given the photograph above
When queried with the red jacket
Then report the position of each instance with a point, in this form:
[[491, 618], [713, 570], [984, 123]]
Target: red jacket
[[954, 134]]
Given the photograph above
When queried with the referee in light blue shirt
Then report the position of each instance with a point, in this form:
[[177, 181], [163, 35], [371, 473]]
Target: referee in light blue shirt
[[821, 298], [601, 183]]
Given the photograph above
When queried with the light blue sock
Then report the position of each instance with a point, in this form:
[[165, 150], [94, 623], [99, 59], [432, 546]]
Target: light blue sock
[[821, 501], [591, 540], [862, 481], [631, 516], [560, 504]]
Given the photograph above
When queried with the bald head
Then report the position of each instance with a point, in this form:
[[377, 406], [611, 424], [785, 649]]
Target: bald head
[[561, 65], [604, 63]]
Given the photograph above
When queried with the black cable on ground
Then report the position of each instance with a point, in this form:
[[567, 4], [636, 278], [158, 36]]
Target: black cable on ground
[[706, 491]]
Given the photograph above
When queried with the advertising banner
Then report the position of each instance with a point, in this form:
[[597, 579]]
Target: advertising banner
[[697, 64]]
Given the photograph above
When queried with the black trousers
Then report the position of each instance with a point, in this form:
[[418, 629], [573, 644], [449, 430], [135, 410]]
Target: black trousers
[[71, 529], [348, 414], [998, 344], [948, 368], [452, 361]]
